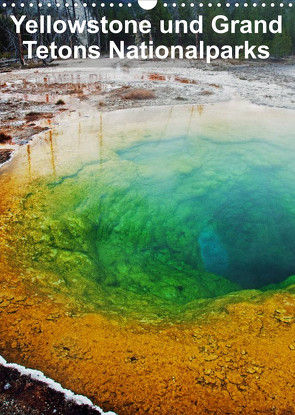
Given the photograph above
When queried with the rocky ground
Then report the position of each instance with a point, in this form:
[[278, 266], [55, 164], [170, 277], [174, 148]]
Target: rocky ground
[[31, 98]]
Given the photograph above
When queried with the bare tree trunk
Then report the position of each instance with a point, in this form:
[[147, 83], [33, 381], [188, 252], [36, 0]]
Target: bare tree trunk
[[197, 40], [40, 40], [74, 10], [86, 18], [20, 49], [195, 15]]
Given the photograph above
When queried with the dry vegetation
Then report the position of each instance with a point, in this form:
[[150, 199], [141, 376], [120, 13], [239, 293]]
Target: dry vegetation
[[139, 94]]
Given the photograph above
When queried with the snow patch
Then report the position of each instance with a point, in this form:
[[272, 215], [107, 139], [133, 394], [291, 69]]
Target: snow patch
[[39, 376]]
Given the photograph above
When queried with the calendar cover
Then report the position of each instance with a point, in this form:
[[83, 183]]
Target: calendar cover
[[147, 207]]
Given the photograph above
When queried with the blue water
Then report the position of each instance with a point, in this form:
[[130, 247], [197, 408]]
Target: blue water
[[224, 213]]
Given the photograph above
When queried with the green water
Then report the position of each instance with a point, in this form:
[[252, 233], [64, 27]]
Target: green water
[[169, 215]]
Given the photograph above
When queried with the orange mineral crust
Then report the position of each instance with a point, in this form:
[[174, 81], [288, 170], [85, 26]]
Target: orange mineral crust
[[238, 360]]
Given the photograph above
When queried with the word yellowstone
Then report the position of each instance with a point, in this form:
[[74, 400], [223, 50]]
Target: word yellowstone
[[220, 24]]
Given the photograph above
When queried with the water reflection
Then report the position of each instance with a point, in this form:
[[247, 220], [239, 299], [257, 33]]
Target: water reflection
[[190, 119], [52, 154]]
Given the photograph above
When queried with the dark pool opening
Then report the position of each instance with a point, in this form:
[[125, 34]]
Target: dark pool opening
[[241, 228]]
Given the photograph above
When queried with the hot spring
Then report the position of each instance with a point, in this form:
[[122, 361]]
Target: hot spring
[[156, 206]]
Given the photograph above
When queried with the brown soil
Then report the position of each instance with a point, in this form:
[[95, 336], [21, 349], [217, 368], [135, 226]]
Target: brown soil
[[4, 138], [34, 116], [22, 395], [140, 94], [5, 155]]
